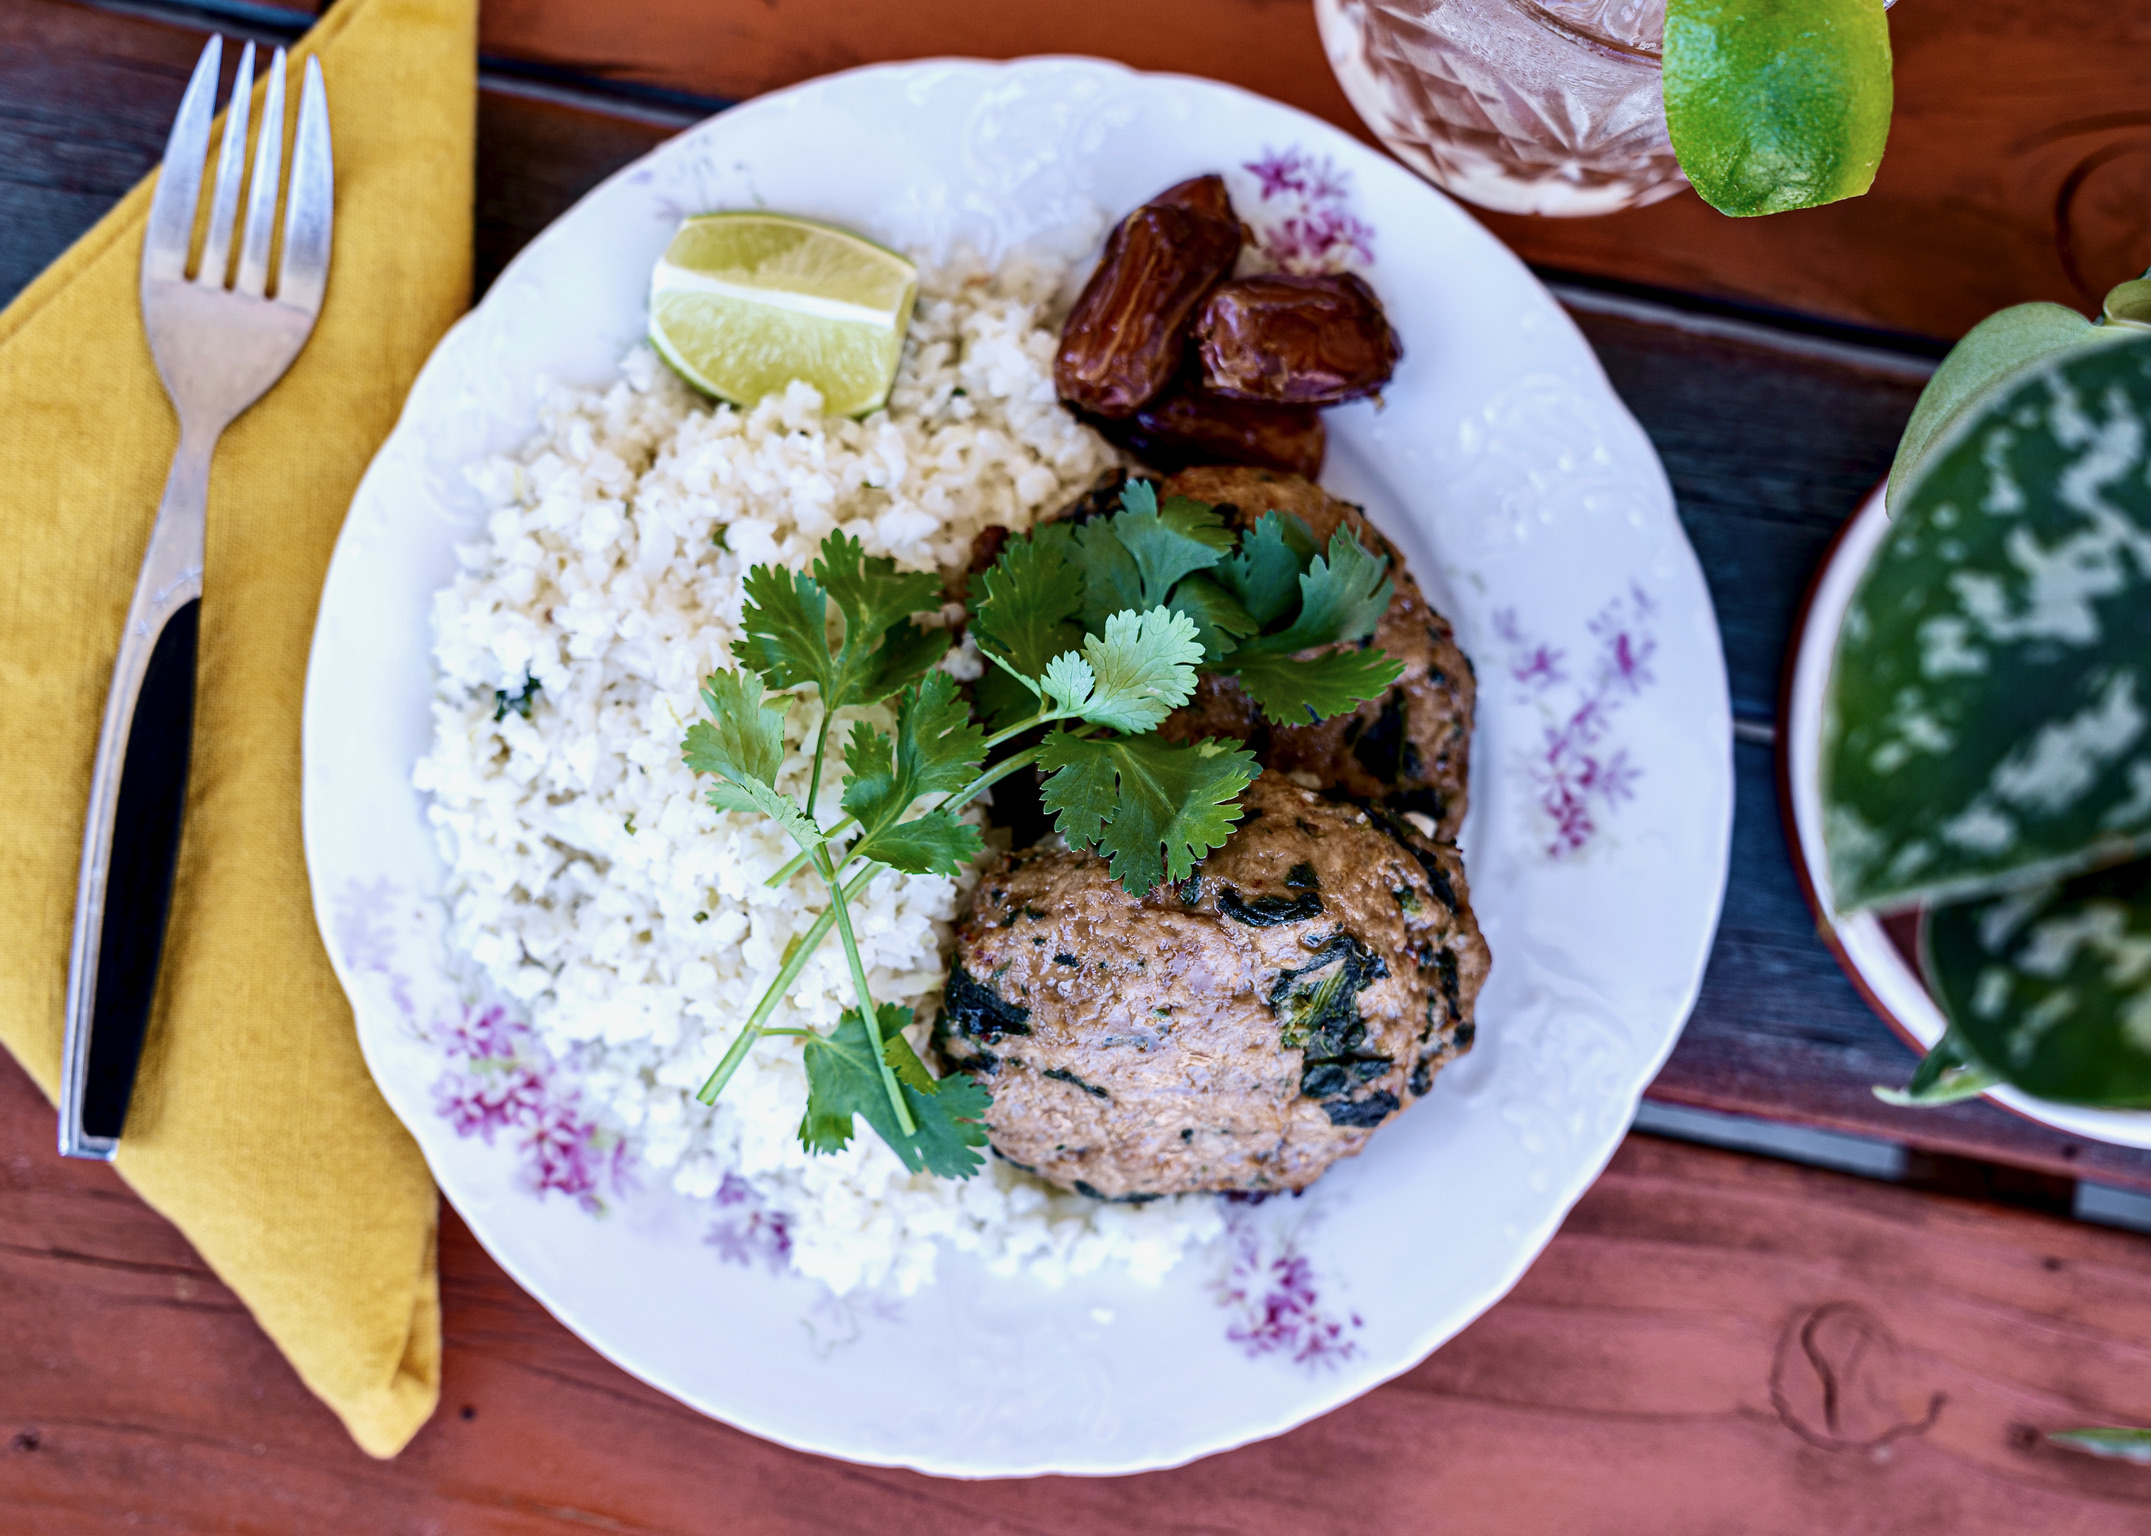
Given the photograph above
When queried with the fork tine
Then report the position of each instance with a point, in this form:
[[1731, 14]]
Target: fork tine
[[310, 207], [231, 170], [170, 234], [262, 188]]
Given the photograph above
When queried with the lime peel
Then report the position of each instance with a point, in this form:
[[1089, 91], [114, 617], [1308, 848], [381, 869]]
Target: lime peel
[[744, 304], [1774, 105]]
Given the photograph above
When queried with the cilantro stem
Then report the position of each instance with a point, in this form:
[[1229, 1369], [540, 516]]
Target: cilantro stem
[[870, 1016], [821, 744], [800, 860], [801, 953]]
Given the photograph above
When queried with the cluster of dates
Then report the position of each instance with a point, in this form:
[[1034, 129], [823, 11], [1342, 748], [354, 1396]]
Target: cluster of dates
[[1181, 363]]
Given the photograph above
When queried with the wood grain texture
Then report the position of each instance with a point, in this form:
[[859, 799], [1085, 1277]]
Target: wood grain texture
[[2019, 163], [1713, 1343], [86, 100]]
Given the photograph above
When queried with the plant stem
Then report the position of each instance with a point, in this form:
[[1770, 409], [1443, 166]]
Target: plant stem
[[800, 860], [788, 973], [821, 743], [869, 1015], [734, 1054], [803, 951]]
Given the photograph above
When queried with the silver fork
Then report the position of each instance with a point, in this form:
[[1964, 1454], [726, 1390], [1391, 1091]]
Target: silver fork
[[221, 339]]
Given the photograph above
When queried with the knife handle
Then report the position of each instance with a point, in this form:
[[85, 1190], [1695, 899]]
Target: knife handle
[[138, 795]]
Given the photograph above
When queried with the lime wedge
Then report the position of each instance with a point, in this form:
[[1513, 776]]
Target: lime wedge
[[1777, 104], [744, 303]]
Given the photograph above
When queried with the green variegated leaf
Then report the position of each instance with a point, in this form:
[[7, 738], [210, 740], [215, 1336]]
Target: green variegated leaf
[[1988, 719], [2051, 987], [1990, 350], [1948, 1074], [2119, 1444]]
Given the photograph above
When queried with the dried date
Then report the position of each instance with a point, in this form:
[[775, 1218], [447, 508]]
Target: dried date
[[1286, 339], [1187, 426], [1204, 196], [1128, 332]]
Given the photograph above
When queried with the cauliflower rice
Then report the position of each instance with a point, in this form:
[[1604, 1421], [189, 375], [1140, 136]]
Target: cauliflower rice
[[588, 879]]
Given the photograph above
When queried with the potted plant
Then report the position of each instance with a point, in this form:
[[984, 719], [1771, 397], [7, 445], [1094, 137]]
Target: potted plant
[[1985, 742]]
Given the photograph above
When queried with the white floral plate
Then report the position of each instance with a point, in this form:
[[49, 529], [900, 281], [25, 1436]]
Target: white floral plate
[[1529, 504]]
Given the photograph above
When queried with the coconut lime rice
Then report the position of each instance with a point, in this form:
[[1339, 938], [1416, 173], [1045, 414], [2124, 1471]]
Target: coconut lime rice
[[590, 883]]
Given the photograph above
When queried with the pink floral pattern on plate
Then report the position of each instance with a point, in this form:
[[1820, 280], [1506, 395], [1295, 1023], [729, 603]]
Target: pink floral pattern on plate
[[747, 1232], [1581, 772], [499, 1082], [499, 1076], [1301, 213], [1271, 1290]]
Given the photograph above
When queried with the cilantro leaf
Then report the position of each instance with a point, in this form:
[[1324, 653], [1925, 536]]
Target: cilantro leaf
[[1342, 598], [787, 625], [1168, 542], [743, 738], [907, 654], [844, 1080], [1025, 603], [932, 843], [1301, 690], [936, 750], [1133, 558], [870, 591], [742, 746], [1002, 699], [1218, 618], [1151, 807], [1140, 671], [1264, 573], [1111, 581]]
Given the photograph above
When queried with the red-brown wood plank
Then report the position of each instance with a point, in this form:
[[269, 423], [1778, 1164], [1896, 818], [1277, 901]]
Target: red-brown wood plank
[[1668, 1366], [2019, 165]]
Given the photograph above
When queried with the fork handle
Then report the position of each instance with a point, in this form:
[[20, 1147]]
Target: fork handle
[[130, 843]]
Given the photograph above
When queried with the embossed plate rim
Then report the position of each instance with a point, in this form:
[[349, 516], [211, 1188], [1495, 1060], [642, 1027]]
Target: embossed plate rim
[[1552, 468]]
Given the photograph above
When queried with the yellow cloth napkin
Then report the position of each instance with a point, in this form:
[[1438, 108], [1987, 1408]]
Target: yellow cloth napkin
[[255, 1127]]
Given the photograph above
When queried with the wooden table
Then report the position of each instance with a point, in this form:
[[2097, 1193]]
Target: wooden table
[[1713, 1343]]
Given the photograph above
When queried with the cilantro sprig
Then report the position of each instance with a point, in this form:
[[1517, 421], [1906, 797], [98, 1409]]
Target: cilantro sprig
[[1094, 635], [1171, 584]]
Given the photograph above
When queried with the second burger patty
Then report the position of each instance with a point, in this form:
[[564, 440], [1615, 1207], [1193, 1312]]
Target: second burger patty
[[1239, 1031]]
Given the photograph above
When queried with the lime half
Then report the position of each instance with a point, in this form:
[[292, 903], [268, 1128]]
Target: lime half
[[744, 303], [1777, 104]]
